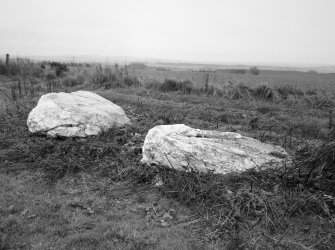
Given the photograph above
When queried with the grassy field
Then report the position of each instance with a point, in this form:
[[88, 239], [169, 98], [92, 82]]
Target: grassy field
[[223, 77], [93, 193]]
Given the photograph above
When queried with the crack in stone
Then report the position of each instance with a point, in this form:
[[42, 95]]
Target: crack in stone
[[65, 126]]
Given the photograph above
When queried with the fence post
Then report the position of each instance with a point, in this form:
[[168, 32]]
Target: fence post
[[7, 59]]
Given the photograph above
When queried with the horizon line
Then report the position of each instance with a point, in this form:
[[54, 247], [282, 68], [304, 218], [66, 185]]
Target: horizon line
[[157, 60]]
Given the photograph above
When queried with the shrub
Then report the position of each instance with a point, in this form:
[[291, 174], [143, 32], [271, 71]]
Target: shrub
[[152, 84], [285, 90], [131, 82], [169, 85], [254, 70], [59, 68], [74, 81], [240, 91], [50, 76], [184, 87], [264, 92]]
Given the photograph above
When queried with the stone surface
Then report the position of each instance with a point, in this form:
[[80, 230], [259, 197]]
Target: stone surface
[[76, 114], [184, 148]]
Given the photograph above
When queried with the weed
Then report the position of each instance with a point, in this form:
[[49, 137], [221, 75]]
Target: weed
[[265, 92]]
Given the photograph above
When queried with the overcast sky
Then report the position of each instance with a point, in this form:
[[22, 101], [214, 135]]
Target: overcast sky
[[271, 31]]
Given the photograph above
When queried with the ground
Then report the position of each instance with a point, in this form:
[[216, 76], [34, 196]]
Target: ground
[[94, 193], [80, 212]]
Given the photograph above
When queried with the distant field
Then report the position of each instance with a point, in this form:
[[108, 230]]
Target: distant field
[[304, 80]]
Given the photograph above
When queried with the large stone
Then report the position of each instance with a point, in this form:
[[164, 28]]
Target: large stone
[[76, 114], [184, 148]]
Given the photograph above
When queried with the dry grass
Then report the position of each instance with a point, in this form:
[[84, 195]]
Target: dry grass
[[59, 181], [242, 209]]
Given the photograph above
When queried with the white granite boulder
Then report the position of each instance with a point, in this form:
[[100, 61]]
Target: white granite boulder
[[76, 114], [184, 148]]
